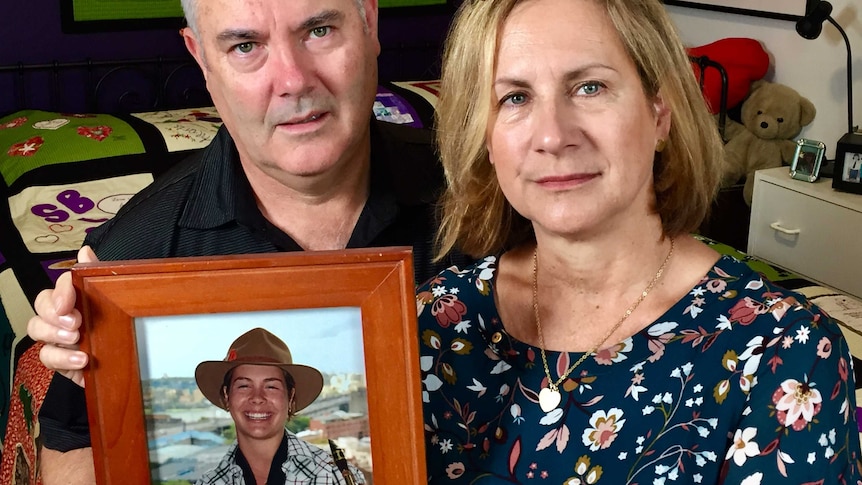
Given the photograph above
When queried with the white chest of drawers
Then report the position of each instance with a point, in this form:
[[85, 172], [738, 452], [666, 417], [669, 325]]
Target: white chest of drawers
[[807, 228]]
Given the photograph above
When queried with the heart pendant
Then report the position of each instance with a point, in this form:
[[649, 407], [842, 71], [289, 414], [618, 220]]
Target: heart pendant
[[549, 399]]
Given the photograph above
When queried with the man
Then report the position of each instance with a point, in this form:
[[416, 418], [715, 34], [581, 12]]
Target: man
[[261, 387], [296, 166]]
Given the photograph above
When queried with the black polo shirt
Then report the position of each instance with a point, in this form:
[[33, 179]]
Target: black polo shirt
[[205, 207]]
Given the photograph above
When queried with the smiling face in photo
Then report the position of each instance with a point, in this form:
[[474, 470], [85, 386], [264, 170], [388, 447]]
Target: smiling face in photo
[[258, 401]]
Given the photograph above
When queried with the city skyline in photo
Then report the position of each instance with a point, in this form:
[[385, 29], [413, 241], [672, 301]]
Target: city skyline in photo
[[329, 339]]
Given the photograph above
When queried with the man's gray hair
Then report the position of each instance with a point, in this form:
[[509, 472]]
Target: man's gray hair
[[191, 18], [190, 11]]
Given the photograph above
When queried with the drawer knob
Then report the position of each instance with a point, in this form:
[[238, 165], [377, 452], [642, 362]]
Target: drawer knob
[[777, 226]]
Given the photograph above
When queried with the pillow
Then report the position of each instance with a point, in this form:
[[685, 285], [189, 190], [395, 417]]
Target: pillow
[[407, 102], [744, 60], [20, 459]]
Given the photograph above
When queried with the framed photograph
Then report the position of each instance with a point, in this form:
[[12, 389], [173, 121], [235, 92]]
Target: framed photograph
[[778, 9], [415, 8], [386, 5], [350, 314], [847, 174], [188, 436], [807, 160]]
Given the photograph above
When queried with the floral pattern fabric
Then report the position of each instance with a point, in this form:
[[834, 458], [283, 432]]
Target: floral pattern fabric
[[739, 382], [21, 457]]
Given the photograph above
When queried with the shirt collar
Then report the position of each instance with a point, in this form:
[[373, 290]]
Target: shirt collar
[[218, 185], [276, 473], [221, 193]]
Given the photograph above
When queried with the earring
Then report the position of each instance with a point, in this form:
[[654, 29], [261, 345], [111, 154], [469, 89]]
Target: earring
[[660, 144]]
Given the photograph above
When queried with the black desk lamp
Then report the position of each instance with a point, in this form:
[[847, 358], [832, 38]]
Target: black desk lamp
[[850, 145], [810, 27]]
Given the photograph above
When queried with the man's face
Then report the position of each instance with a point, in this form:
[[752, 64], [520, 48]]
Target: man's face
[[294, 81]]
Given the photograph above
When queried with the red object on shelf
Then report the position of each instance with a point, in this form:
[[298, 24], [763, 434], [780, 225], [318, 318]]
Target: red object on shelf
[[744, 60]]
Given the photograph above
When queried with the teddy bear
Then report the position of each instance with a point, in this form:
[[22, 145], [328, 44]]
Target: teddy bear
[[772, 115]]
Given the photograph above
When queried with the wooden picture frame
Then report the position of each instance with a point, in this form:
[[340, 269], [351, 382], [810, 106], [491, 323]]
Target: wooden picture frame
[[111, 295]]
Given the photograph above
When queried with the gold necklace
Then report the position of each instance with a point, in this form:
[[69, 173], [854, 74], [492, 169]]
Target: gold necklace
[[549, 397]]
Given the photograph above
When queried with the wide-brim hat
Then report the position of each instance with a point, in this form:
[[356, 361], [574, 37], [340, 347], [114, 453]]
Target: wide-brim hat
[[258, 347]]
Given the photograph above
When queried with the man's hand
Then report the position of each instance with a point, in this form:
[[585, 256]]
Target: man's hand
[[71, 468], [56, 324]]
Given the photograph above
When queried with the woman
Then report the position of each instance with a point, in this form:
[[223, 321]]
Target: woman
[[596, 341], [261, 387]]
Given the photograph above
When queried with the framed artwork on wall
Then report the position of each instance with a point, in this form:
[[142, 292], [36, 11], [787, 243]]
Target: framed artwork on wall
[[383, 4], [87, 16], [415, 8], [146, 323], [777, 9]]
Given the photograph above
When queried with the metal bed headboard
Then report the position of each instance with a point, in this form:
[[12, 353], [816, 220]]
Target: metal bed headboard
[[95, 86], [703, 63], [136, 85]]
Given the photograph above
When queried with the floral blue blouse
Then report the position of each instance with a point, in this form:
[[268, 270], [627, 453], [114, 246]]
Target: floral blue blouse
[[740, 382]]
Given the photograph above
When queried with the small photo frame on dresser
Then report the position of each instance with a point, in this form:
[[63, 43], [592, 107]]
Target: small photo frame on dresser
[[807, 160], [847, 175]]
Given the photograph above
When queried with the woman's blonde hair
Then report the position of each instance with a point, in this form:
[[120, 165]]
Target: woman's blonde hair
[[477, 218]]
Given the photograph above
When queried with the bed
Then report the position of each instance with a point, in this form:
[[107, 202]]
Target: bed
[[68, 163]]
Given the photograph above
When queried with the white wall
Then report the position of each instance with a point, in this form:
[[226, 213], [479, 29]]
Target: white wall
[[815, 68]]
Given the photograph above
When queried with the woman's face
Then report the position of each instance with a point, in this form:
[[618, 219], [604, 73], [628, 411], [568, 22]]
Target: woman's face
[[572, 135], [258, 401]]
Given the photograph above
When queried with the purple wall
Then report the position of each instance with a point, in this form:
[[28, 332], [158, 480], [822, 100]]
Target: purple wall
[[32, 33], [411, 45]]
